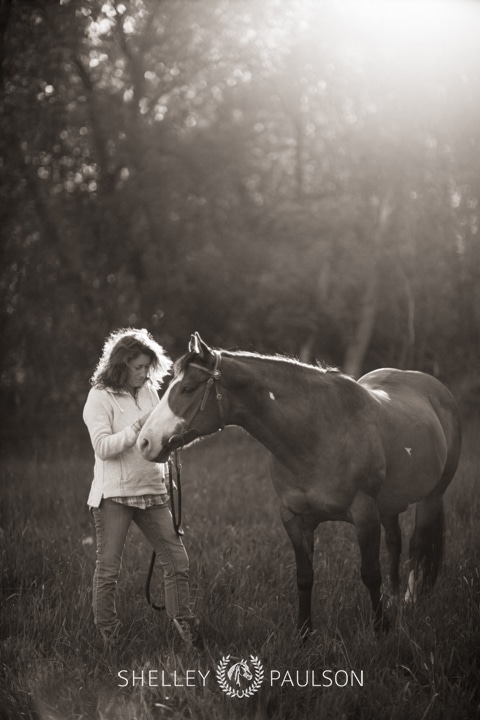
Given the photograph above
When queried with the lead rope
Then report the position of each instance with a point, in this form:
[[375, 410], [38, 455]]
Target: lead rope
[[177, 524], [177, 520], [215, 375]]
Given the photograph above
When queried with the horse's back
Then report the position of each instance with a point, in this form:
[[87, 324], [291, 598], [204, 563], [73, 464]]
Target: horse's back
[[418, 422], [415, 393]]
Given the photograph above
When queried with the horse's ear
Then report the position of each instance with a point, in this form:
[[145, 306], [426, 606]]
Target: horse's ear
[[198, 347], [194, 344]]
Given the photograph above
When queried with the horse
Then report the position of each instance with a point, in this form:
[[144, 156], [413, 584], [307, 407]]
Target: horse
[[360, 451]]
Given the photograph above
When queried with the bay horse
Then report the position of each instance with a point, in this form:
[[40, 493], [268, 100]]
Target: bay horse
[[340, 449]]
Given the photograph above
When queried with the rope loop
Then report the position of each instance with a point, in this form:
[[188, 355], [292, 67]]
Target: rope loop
[[172, 467]]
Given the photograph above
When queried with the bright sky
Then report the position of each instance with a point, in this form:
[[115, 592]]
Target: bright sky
[[417, 29]]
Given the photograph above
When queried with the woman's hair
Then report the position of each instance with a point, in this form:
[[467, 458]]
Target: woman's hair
[[124, 345]]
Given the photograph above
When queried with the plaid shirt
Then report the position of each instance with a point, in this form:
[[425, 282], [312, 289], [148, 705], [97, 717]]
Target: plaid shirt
[[141, 501]]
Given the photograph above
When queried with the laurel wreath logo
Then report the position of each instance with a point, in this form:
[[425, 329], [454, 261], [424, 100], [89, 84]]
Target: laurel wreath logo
[[240, 693]]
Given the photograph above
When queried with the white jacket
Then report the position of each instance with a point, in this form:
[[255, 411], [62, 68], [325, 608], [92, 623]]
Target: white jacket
[[120, 470]]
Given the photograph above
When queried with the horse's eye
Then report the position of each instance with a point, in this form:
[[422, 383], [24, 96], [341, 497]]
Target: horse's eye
[[188, 389]]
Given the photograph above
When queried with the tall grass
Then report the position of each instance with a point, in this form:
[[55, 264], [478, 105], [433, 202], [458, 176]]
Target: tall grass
[[242, 573]]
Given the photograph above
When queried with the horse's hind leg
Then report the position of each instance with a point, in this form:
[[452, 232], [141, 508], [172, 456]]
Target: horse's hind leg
[[300, 530], [366, 519], [426, 545], [393, 540]]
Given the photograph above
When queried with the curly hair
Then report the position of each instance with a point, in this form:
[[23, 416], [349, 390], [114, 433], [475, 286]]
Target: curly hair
[[124, 345]]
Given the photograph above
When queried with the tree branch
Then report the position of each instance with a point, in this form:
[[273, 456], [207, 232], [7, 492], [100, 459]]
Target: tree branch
[[5, 10]]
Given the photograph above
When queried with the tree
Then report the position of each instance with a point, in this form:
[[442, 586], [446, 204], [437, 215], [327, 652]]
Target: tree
[[269, 174]]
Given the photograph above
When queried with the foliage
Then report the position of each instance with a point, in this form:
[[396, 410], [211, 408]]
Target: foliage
[[280, 175]]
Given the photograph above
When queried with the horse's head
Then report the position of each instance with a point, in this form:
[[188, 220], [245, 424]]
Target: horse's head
[[240, 670], [190, 408]]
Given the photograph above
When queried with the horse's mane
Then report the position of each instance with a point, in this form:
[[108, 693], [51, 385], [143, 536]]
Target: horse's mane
[[289, 359], [183, 362]]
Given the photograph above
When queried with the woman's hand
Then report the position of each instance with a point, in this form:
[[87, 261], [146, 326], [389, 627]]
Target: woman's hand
[[141, 421]]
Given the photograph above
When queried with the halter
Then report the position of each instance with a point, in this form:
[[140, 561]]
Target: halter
[[215, 376]]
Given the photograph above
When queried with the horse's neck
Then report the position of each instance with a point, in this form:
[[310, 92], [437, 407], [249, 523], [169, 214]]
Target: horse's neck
[[271, 401]]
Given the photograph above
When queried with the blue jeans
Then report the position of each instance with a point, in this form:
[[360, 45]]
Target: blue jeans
[[112, 520]]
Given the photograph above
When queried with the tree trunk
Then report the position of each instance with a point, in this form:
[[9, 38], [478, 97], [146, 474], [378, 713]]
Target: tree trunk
[[358, 347]]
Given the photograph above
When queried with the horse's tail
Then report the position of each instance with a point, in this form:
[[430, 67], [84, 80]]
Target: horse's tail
[[428, 540]]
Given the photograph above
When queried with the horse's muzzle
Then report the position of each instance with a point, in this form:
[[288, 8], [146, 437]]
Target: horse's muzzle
[[174, 443], [163, 455]]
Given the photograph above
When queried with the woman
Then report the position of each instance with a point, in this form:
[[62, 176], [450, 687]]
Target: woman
[[126, 487]]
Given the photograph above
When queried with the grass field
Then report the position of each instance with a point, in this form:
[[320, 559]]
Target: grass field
[[53, 667]]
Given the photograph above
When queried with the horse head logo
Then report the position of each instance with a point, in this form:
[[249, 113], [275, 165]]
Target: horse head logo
[[239, 670], [231, 677]]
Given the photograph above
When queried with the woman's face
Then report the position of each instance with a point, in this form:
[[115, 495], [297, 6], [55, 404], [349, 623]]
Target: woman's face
[[137, 370]]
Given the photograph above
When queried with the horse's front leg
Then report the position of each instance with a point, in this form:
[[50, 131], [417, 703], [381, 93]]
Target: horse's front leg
[[300, 529]]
